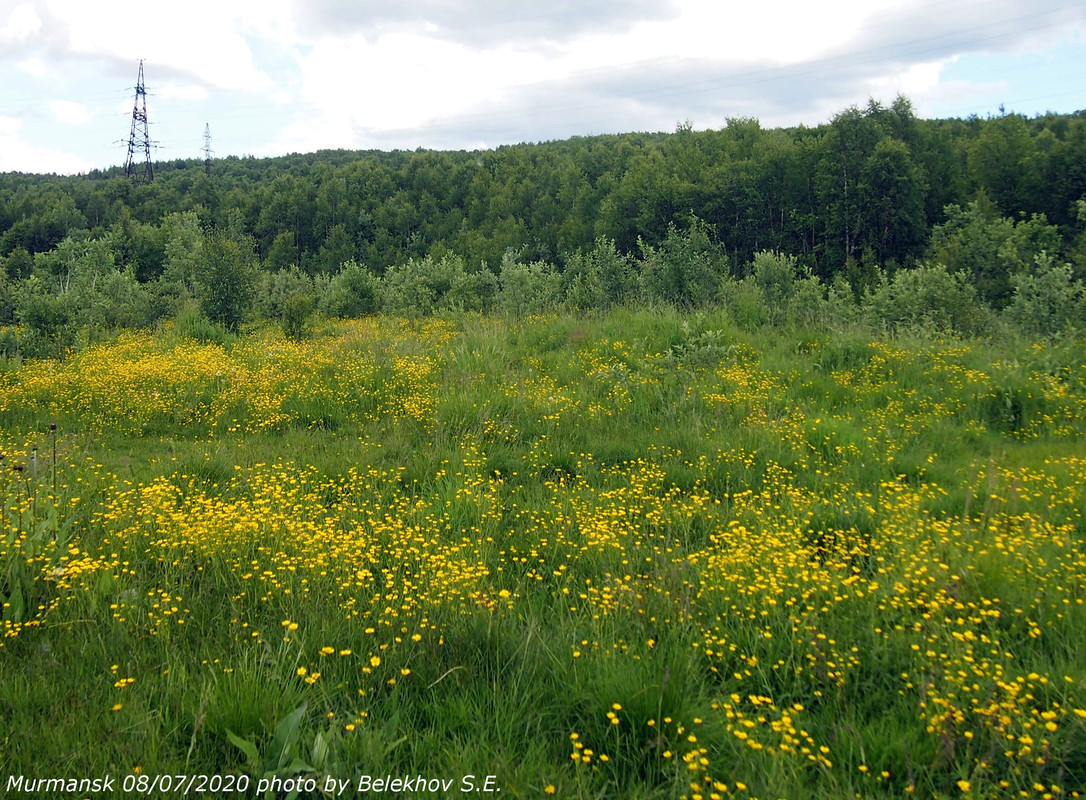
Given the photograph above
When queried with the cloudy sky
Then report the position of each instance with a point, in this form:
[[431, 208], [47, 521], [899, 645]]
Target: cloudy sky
[[279, 76]]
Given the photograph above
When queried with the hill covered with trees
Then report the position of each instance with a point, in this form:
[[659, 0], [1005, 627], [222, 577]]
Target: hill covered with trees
[[585, 222]]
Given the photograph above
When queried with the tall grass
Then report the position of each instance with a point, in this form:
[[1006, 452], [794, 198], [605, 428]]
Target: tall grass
[[640, 554]]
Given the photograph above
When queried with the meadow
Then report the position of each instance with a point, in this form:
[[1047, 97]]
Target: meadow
[[641, 554]]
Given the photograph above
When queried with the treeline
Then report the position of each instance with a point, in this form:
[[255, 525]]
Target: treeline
[[212, 283], [856, 206]]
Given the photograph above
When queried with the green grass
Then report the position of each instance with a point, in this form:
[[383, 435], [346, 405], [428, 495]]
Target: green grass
[[845, 566]]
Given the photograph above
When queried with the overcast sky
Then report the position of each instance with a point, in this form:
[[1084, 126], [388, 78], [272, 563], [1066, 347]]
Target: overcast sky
[[278, 76]]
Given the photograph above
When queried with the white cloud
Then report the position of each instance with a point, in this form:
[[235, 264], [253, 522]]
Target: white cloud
[[406, 80], [196, 40], [476, 24], [928, 89], [306, 137], [34, 66], [918, 82], [22, 23], [311, 74], [69, 113], [172, 91], [270, 20], [951, 93], [781, 32], [705, 61], [17, 156]]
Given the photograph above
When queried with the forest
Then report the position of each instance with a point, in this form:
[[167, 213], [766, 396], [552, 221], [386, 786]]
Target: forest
[[995, 207]]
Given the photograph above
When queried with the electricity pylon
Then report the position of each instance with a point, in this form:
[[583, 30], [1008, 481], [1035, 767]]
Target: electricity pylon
[[140, 137], [208, 152]]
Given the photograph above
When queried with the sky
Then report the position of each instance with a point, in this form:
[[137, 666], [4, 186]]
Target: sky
[[270, 77]]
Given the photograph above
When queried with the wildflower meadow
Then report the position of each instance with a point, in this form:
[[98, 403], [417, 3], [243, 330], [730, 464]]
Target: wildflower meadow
[[637, 554]]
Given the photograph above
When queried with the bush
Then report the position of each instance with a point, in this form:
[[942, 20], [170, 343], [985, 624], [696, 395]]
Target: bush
[[745, 303], [807, 306], [7, 300], [990, 248], [225, 283], [274, 288], [415, 288], [1047, 300], [192, 323], [296, 316], [352, 293], [50, 321], [471, 291], [120, 301], [423, 286], [582, 283], [775, 275], [688, 269], [926, 298], [527, 288], [598, 278], [9, 344]]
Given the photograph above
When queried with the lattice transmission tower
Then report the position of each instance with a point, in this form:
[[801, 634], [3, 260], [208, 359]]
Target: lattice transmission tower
[[208, 152], [140, 137]]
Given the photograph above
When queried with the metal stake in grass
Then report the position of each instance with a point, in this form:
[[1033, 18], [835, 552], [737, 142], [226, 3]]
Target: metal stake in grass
[[34, 473], [19, 469], [53, 434]]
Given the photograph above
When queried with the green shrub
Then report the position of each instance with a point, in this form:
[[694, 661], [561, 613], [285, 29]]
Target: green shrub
[[687, 269], [272, 289], [927, 298], [352, 293], [775, 275], [1047, 300], [9, 343], [50, 321], [120, 301], [7, 300], [471, 291], [599, 277], [296, 316], [527, 288], [745, 303], [422, 286], [582, 283], [224, 283], [989, 248], [192, 323]]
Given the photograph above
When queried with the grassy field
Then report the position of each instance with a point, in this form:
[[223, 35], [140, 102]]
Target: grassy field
[[643, 555]]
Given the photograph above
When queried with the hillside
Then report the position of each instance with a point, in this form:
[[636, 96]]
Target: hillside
[[854, 203]]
